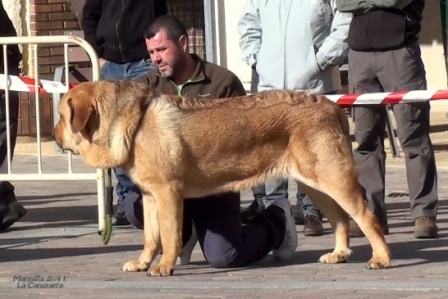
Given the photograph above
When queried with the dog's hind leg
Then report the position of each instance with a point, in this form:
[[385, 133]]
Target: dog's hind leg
[[170, 202], [151, 233], [344, 188], [339, 221]]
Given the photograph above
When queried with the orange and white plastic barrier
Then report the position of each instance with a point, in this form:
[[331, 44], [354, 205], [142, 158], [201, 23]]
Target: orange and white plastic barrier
[[27, 84]]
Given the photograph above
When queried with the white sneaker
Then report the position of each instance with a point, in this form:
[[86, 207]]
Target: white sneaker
[[185, 257], [289, 244]]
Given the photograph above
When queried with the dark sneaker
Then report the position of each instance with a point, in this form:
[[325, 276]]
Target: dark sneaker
[[15, 211], [247, 214], [313, 226], [425, 228], [120, 219], [356, 232], [289, 243], [297, 213]]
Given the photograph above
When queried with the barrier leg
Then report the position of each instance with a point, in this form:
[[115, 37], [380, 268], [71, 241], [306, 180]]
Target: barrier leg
[[101, 201], [58, 73]]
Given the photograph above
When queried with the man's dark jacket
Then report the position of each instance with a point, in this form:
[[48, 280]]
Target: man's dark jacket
[[383, 28], [7, 29], [115, 28]]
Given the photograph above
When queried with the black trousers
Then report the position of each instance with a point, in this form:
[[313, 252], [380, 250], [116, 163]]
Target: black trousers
[[6, 188]]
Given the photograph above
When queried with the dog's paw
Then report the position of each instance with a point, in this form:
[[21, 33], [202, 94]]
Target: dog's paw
[[161, 270], [340, 256], [379, 262], [134, 266]]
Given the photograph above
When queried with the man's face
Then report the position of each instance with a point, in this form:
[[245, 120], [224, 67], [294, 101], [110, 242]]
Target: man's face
[[165, 53]]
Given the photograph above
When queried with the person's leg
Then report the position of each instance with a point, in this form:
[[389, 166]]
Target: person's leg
[[312, 216], [403, 69], [413, 132], [116, 71], [10, 209], [137, 69], [369, 133], [259, 191], [257, 205], [126, 71], [276, 189], [225, 242], [297, 211]]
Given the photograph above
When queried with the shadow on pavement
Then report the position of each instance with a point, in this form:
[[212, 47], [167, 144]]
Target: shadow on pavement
[[50, 253], [64, 214]]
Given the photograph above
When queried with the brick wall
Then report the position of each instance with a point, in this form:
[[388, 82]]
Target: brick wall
[[47, 17], [50, 17]]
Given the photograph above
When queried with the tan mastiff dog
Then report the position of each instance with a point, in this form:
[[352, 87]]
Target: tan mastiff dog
[[175, 147]]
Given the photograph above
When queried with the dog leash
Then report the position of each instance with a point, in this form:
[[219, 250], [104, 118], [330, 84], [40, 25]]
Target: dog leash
[[109, 208]]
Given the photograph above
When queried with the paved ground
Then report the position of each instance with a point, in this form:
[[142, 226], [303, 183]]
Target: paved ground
[[57, 242]]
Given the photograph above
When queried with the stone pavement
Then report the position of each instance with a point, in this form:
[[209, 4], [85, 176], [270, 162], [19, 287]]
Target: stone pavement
[[57, 242]]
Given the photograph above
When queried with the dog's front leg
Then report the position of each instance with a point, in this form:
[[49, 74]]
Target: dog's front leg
[[169, 197], [151, 234]]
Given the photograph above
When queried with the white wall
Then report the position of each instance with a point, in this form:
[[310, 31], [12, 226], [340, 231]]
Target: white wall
[[230, 56], [18, 12], [432, 46], [13, 8]]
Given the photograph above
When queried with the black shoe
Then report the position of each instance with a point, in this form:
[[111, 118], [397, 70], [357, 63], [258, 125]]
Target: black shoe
[[14, 212], [247, 214], [120, 219]]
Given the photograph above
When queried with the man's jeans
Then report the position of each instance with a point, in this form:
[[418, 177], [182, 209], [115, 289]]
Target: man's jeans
[[279, 189], [125, 71]]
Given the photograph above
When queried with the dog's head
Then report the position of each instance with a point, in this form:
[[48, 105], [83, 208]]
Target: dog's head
[[103, 114], [78, 117]]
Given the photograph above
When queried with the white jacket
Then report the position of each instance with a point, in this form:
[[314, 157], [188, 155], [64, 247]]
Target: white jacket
[[296, 44]]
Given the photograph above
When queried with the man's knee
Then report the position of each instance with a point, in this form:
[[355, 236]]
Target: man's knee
[[223, 260], [221, 254]]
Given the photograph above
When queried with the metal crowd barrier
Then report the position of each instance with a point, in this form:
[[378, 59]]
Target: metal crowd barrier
[[99, 175]]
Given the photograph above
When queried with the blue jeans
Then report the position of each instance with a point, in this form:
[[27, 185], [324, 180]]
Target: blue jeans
[[279, 189], [125, 71]]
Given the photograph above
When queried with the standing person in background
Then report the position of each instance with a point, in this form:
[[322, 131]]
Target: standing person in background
[[115, 29], [10, 209], [390, 60], [297, 45]]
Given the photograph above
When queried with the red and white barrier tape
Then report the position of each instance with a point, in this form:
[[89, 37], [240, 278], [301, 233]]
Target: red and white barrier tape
[[26, 84], [19, 83], [385, 98]]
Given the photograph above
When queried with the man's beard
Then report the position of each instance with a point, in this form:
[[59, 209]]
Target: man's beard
[[167, 73]]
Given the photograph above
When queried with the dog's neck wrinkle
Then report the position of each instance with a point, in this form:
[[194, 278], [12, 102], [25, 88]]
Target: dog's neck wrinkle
[[263, 99]]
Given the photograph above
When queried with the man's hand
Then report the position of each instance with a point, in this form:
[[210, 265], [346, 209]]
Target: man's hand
[[102, 61]]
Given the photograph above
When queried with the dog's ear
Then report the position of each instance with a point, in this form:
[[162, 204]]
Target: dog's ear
[[82, 113]]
